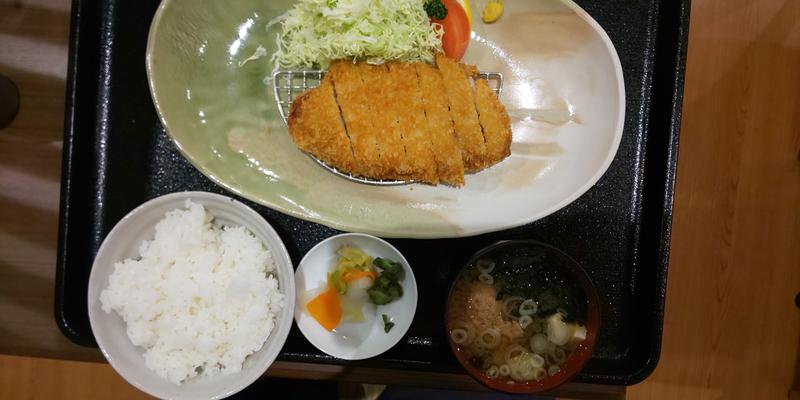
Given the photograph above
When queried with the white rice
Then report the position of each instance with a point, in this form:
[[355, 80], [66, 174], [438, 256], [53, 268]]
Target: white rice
[[200, 298]]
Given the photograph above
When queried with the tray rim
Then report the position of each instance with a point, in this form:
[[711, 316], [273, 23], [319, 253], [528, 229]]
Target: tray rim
[[675, 51], [66, 180]]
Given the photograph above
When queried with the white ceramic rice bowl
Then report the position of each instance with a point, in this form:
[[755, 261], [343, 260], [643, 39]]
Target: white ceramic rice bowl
[[110, 330]]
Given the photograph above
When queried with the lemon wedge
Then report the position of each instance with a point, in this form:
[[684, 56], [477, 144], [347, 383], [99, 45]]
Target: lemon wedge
[[492, 11], [465, 4]]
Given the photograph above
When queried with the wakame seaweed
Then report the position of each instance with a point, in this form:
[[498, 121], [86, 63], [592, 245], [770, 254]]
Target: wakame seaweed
[[532, 273]]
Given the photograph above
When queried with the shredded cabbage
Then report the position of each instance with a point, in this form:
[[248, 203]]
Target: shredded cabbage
[[260, 52], [315, 32]]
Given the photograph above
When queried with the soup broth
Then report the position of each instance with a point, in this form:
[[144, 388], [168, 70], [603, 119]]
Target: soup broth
[[516, 315]]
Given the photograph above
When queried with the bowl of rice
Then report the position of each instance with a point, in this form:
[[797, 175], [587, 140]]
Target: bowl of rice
[[191, 295]]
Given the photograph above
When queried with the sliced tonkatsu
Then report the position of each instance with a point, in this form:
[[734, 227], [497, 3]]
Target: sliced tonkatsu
[[352, 96], [444, 144], [384, 106], [405, 121], [406, 106], [495, 123], [462, 111], [316, 127]]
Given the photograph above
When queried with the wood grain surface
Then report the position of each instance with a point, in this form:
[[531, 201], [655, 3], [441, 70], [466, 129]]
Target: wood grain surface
[[731, 328], [40, 378]]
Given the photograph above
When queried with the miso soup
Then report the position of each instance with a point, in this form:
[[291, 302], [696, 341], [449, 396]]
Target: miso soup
[[515, 313]]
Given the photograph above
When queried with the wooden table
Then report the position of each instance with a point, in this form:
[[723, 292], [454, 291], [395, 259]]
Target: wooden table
[[731, 327]]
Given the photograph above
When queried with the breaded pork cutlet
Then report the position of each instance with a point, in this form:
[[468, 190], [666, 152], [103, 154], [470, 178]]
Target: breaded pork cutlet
[[444, 143], [462, 111], [495, 123], [351, 95], [380, 93], [316, 126], [409, 115], [470, 70], [402, 121]]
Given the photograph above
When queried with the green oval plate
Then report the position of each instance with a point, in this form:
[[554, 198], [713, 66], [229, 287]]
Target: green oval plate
[[563, 88]]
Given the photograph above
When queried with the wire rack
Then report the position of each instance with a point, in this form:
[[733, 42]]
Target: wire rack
[[287, 85]]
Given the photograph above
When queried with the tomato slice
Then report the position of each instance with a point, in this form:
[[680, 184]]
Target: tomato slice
[[456, 30]]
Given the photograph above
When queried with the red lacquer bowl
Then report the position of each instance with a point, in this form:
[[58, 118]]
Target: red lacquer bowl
[[579, 356]]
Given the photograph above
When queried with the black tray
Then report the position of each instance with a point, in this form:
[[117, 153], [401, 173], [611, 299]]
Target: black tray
[[116, 156]]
